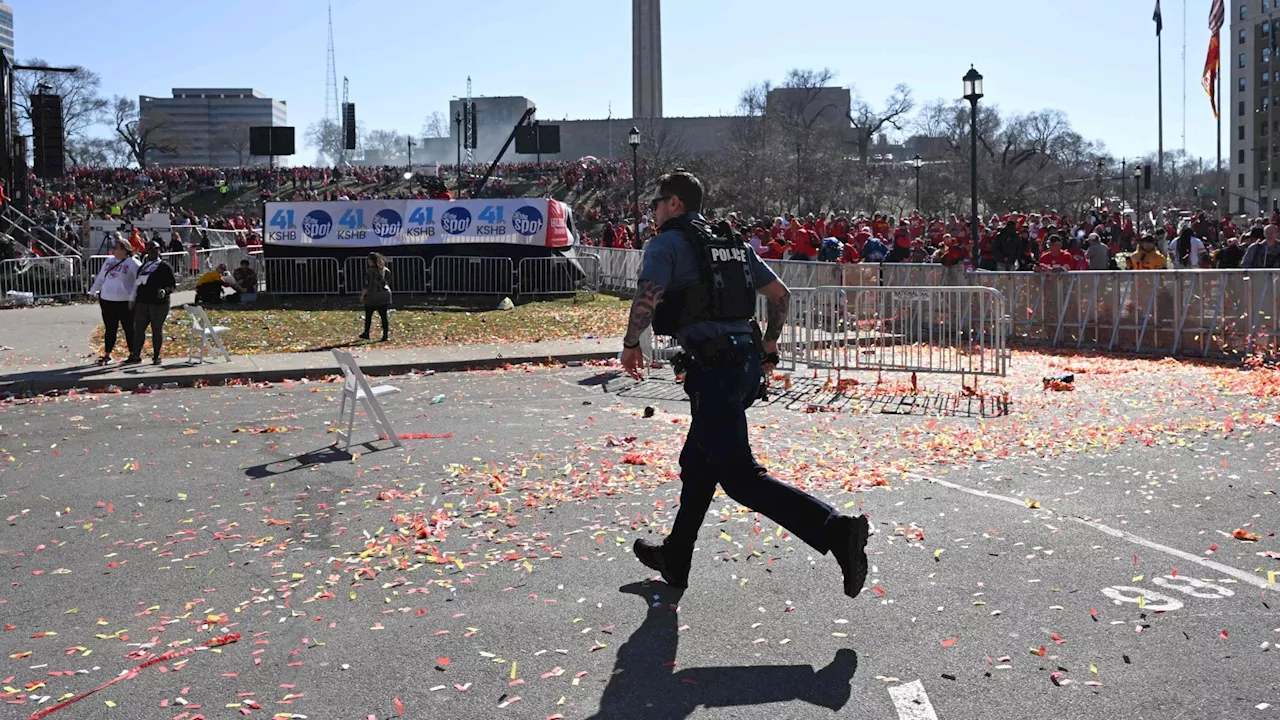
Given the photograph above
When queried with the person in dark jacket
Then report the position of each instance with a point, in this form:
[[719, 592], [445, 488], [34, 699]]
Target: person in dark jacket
[[376, 295], [150, 303], [1010, 247]]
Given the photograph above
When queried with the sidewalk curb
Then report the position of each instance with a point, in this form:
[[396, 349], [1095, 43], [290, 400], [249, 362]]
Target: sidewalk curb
[[211, 374]]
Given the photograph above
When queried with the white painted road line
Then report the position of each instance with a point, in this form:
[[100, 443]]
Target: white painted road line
[[912, 702], [1240, 575]]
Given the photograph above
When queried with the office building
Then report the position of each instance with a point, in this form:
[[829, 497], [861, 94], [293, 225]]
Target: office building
[[6, 30], [210, 126], [1249, 105]]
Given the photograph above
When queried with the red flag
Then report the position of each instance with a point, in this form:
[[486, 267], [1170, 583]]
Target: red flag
[[1210, 79]]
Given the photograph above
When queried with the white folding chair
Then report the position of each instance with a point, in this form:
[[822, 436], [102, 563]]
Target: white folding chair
[[204, 334], [355, 389]]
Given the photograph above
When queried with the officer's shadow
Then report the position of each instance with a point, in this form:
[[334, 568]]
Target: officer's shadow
[[646, 684]]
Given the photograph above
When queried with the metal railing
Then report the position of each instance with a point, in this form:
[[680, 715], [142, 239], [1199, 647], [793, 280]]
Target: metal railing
[[301, 276], [25, 280], [1205, 313], [558, 275], [954, 330], [472, 275], [408, 273]]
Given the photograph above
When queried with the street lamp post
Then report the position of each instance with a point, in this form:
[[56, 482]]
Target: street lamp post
[[973, 93], [917, 163], [1137, 203], [408, 173], [633, 139]]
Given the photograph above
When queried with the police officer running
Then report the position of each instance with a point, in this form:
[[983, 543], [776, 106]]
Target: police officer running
[[700, 287]]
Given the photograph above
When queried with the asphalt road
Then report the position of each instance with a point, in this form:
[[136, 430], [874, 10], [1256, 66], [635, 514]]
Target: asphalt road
[[1073, 559]]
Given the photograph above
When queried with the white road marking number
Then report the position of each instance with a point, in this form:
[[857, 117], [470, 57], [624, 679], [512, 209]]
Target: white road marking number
[[1153, 601], [1193, 587]]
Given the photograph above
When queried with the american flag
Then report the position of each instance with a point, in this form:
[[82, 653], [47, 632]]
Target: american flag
[[1217, 14]]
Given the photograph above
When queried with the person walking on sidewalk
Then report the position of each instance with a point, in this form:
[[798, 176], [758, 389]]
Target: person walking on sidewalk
[[150, 303], [112, 289], [376, 294], [701, 288]]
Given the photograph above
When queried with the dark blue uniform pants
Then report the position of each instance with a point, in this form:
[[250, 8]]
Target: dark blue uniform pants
[[716, 451]]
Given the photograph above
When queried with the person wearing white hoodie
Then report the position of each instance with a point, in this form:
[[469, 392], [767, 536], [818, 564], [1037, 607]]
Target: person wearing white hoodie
[[113, 289]]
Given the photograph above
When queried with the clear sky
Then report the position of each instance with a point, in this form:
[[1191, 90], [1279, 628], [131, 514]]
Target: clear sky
[[1093, 59]]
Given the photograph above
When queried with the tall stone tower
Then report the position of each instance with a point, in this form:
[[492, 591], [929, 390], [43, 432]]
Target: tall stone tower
[[646, 58]]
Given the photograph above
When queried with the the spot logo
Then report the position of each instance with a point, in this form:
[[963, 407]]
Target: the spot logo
[[387, 223], [456, 220], [317, 224], [527, 221]]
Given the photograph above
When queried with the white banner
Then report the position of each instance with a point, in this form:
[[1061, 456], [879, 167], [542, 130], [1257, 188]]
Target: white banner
[[383, 223]]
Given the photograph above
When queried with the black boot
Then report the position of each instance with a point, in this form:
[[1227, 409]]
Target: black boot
[[653, 555], [849, 545]]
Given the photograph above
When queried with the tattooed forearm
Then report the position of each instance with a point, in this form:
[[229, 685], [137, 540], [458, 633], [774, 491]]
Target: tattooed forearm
[[776, 310], [648, 295]]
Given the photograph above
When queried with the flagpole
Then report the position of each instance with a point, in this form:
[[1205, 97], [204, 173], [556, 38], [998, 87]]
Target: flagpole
[[1160, 101], [1222, 181]]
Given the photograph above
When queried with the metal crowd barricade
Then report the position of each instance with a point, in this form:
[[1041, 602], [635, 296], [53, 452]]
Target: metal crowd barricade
[[472, 275], [955, 330], [558, 275], [302, 276], [40, 278], [408, 273]]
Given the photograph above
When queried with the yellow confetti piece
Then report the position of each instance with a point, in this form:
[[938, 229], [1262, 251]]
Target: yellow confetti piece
[[111, 703], [1093, 668], [726, 537], [1142, 601], [1138, 578], [1271, 576], [839, 634], [1033, 504], [513, 669]]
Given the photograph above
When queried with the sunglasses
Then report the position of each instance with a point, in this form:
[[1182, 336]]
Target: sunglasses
[[653, 204]]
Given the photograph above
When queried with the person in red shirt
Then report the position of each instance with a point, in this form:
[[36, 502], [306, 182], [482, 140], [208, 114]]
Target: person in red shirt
[[774, 249], [850, 253], [1056, 259]]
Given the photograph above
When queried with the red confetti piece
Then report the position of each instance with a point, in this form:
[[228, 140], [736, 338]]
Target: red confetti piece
[[950, 642], [1223, 634], [877, 590], [425, 436], [399, 706]]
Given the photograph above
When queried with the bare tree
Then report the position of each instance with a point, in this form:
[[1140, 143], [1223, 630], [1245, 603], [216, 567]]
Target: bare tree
[[145, 137], [389, 146], [83, 105], [868, 121], [664, 146], [234, 136], [436, 125], [326, 137]]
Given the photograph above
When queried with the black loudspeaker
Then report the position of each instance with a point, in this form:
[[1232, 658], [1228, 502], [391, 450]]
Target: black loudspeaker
[[1146, 177], [548, 139], [475, 137], [260, 140], [47, 136], [538, 139], [282, 140], [349, 126], [527, 140]]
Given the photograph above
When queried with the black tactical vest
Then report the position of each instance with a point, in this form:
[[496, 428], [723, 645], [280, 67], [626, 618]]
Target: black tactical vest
[[726, 290]]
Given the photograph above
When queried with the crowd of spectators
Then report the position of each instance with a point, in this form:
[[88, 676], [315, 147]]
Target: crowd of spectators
[[1042, 242], [600, 192]]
